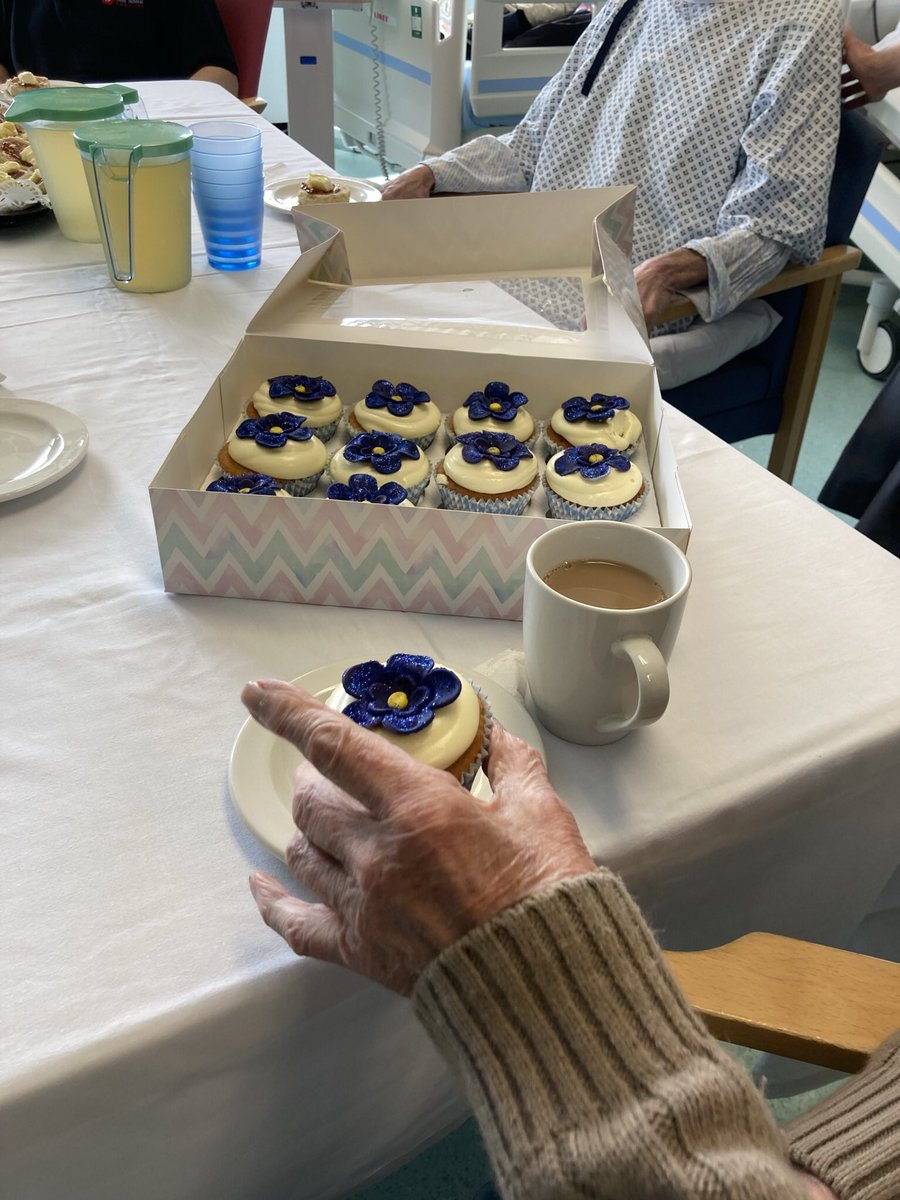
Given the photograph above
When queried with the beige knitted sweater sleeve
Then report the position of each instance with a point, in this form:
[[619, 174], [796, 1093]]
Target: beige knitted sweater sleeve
[[588, 1072]]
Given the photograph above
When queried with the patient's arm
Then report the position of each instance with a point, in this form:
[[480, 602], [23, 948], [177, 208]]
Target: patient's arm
[[414, 184]]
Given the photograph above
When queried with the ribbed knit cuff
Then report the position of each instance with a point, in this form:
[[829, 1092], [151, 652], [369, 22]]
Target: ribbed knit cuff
[[584, 1063], [851, 1141]]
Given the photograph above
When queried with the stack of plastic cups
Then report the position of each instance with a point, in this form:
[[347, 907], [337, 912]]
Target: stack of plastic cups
[[227, 181]]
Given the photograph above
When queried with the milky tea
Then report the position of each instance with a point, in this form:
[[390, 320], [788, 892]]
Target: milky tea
[[604, 584]]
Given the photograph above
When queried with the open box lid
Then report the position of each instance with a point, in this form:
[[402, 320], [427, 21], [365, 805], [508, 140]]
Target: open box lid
[[546, 274]]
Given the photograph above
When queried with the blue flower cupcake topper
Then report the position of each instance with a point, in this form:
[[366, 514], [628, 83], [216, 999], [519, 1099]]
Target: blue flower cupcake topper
[[252, 484], [496, 401], [300, 387], [598, 408], [365, 489], [401, 695], [502, 450], [384, 452], [592, 462], [399, 400], [275, 430]]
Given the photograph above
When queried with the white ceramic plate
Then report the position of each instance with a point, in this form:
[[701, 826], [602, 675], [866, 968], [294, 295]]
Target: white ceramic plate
[[261, 769], [39, 443], [282, 193]]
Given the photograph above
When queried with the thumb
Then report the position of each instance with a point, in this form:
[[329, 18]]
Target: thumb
[[278, 707], [513, 762]]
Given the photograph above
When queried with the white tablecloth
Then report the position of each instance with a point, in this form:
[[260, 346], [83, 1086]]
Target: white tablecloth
[[159, 1042]]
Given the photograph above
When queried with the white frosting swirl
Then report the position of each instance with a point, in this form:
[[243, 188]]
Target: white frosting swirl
[[441, 743], [424, 419], [412, 470], [317, 412], [483, 477], [618, 432], [295, 460], [521, 426], [615, 487]]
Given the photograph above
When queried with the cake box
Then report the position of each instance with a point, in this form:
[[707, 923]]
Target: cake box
[[534, 289]]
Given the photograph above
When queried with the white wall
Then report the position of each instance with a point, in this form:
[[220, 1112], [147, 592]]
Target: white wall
[[272, 80]]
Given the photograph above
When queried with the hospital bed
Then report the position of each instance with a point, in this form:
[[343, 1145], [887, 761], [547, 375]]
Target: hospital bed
[[403, 88]]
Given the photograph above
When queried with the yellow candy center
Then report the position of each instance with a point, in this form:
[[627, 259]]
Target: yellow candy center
[[596, 408], [396, 396], [245, 489], [493, 449], [595, 458], [398, 700], [378, 450], [495, 407], [299, 388], [276, 429]]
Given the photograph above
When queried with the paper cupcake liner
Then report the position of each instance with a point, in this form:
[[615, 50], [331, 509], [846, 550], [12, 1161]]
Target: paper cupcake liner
[[565, 510], [302, 487], [470, 772], [510, 506]]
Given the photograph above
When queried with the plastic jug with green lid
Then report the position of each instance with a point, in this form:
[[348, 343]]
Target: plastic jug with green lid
[[138, 174], [49, 117]]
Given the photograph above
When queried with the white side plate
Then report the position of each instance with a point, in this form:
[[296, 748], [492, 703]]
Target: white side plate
[[282, 193], [39, 443], [261, 769]]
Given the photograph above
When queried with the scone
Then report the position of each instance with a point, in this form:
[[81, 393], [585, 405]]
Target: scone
[[322, 189], [427, 710]]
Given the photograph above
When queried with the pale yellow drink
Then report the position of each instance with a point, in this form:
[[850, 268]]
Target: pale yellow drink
[[160, 221], [60, 165]]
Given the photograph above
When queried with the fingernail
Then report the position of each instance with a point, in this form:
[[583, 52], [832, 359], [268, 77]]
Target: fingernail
[[257, 694]]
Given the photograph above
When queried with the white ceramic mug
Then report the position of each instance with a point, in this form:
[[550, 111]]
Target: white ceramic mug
[[596, 673]]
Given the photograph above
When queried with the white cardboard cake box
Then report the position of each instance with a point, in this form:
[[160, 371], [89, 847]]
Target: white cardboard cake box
[[448, 294]]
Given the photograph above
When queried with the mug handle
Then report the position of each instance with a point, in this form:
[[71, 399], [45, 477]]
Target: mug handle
[[652, 683]]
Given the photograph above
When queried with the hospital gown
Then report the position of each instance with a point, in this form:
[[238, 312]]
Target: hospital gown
[[724, 113]]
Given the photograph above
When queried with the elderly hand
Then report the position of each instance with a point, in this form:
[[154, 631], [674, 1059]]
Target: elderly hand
[[404, 859], [415, 184], [660, 279], [871, 73]]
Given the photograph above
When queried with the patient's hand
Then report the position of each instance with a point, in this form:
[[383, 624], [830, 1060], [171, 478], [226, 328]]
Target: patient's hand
[[414, 184]]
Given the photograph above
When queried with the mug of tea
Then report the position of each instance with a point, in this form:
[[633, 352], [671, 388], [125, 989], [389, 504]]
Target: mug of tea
[[603, 603]]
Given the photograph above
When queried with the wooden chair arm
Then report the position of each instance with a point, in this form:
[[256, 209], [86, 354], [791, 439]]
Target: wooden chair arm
[[834, 260], [257, 103], [805, 1001]]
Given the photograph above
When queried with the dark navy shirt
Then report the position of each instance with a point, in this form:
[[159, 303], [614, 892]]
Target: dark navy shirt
[[98, 41]]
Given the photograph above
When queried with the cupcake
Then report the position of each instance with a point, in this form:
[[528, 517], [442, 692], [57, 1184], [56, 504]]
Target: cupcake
[[387, 458], [594, 483], [401, 409], [249, 485], [495, 410], [582, 422], [487, 472], [364, 489], [308, 396], [280, 445], [427, 710]]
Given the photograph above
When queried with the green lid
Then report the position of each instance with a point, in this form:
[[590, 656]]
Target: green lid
[[129, 94], [144, 139], [64, 104]]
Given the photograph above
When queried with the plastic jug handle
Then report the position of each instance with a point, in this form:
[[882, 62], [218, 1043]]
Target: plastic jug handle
[[126, 277]]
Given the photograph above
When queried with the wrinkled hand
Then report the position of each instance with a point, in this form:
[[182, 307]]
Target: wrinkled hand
[[661, 278], [868, 74], [415, 184], [404, 860]]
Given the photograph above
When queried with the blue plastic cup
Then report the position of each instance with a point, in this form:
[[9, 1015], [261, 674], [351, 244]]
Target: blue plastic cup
[[214, 176], [227, 181], [231, 220]]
